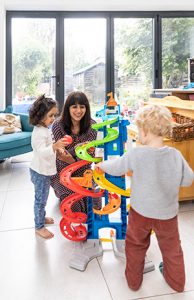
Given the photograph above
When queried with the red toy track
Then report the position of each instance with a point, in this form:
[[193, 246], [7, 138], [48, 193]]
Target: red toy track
[[74, 232]]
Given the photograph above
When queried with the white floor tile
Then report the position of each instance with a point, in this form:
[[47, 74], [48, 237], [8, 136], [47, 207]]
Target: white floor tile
[[33, 268], [2, 201], [113, 269], [178, 296], [5, 178], [18, 211], [21, 182], [186, 225]]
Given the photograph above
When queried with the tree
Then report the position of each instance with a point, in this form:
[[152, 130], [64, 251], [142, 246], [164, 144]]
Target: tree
[[176, 39], [133, 49], [33, 43], [134, 46], [30, 67]]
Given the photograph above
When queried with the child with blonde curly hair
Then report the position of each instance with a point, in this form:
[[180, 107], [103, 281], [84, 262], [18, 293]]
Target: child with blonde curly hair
[[157, 173]]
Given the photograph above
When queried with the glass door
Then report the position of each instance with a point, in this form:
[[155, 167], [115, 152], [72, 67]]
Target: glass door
[[84, 59], [177, 47], [133, 61], [33, 42]]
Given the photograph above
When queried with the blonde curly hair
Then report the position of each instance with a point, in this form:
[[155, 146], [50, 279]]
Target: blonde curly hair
[[156, 119]]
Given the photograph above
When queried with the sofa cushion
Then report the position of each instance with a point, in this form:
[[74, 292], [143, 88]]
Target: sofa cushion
[[10, 123], [13, 140]]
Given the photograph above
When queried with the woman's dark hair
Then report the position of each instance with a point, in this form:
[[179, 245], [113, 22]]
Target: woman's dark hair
[[40, 108], [72, 99]]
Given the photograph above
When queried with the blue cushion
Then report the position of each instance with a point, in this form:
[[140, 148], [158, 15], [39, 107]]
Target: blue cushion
[[25, 122], [13, 140]]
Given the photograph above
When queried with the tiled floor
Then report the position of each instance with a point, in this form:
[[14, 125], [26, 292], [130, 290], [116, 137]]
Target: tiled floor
[[35, 269]]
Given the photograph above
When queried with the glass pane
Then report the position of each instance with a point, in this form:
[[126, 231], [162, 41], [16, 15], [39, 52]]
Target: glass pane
[[177, 47], [133, 61], [85, 42], [33, 60]]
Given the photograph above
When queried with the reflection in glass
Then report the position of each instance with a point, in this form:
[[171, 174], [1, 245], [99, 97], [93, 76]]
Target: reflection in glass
[[85, 41], [177, 47], [33, 60], [133, 60]]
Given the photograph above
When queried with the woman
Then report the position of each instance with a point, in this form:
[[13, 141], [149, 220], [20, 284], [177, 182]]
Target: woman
[[76, 121]]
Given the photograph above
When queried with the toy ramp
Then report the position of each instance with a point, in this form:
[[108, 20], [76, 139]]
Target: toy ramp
[[74, 233], [113, 204], [105, 184], [86, 180], [67, 180], [112, 134], [68, 228]]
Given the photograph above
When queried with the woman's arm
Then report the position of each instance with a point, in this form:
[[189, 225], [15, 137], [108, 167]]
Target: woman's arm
[[66, 157]]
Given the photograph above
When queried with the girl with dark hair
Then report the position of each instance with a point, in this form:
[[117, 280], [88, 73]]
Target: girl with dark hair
[[75, 121], [42, 114]]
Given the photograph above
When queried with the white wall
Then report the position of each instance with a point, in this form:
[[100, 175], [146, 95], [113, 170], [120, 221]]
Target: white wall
[[91, 5], [2, 55], [79, 5]]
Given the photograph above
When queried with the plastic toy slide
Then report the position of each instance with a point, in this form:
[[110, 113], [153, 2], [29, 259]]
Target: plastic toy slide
[[105, 184], [72, 232], [69, 228], [67, 180], [112, 134], [113, 204]]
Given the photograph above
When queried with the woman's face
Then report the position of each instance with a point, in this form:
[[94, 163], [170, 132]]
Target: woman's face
[[77, 111]]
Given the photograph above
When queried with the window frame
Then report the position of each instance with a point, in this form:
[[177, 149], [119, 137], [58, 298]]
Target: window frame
[[109, 16]]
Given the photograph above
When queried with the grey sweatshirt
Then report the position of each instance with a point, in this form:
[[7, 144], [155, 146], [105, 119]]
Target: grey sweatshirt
[[157, 175]]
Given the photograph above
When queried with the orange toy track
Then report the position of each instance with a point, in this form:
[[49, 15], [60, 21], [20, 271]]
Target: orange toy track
[[86, 180], [113, 204], [75, 232]]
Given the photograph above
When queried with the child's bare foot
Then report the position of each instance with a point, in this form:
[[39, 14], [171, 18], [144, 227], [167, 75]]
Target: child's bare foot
[[44, 233], [49, 220]]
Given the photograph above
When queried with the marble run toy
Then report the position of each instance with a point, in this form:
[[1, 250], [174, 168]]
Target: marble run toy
[[75, 232], [113, 189], [82, 187], [110, 110], [111, 105]]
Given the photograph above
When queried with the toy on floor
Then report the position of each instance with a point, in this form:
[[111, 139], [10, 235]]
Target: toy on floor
[[113, 189]]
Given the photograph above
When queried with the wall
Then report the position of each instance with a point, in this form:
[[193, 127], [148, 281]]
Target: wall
[[91, 5], [2, 55]]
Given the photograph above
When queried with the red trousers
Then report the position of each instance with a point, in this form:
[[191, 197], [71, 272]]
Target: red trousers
[[138, 241]]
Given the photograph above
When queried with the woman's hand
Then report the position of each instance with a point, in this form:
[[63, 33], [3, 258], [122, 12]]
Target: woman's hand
[[65, 156], [60, 145]]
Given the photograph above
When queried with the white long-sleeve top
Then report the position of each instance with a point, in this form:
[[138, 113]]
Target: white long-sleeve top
[[44, 157], [157, 175]]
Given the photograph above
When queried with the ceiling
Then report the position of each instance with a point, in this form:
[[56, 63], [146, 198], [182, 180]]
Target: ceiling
[[99, 5]]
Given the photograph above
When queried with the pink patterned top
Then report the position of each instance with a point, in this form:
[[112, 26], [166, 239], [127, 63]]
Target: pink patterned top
[[58, 132]]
